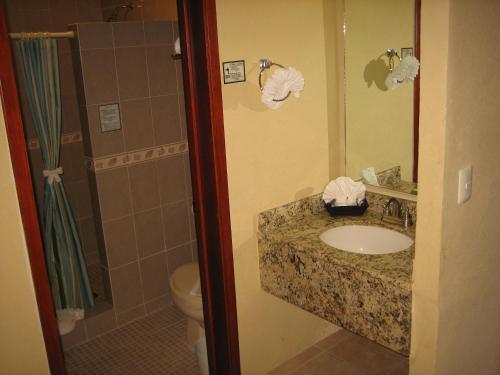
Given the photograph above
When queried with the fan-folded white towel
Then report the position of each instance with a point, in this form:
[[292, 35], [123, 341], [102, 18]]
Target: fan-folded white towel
[[280, 84], [406, 70], [344, 192]]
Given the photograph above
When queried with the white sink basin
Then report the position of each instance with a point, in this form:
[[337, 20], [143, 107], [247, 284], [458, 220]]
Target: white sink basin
[[366, 240]]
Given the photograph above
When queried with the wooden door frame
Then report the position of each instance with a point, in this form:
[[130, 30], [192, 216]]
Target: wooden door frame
[[416, 92], [203, 99], [27, 204]]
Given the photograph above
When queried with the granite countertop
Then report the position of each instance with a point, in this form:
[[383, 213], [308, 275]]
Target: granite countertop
[[302, 233], [403, 186]]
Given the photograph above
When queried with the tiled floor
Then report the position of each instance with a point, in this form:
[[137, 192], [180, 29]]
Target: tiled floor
[[152, 345], [345, 353]]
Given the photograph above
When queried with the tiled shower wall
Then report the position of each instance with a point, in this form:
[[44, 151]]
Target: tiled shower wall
[[147, 226], [55, 15], [140, 173]]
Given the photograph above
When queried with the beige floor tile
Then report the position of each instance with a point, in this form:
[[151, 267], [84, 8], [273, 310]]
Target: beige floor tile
[[368, 355], [334, 339], [296, 362], [402, 368], [327, 364], [344, 353]]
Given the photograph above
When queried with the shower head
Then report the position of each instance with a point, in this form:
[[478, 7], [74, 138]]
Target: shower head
[[122, 10]]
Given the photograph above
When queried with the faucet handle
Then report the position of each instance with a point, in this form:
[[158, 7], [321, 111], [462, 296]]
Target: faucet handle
[[395, 208], [385, 211], [407, 218]]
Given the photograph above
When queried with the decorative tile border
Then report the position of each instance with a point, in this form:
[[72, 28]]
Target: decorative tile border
[[134, 157], [66, 138]]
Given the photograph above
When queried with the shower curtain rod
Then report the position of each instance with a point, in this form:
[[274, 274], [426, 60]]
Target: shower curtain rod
[[44, 34]]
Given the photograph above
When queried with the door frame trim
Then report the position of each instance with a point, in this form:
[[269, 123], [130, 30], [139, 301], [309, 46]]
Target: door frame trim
[[203, 99], [27, 204], [416, 92]]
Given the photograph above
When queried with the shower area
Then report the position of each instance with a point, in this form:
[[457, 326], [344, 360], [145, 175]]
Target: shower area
[[117, 157]]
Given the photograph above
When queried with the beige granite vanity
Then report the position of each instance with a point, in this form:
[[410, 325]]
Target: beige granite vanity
[[367, 294]]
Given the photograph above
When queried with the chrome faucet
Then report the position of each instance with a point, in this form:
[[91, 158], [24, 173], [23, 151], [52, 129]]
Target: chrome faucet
[[392, 208], [395, 212]]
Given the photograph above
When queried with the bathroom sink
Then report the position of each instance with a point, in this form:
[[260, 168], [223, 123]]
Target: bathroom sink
[[363, 239]]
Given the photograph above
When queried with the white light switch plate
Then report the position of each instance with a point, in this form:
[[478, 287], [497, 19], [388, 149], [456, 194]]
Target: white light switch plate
[[464, 184]]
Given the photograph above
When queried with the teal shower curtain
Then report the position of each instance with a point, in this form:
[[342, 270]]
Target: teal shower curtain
[[63, 249]]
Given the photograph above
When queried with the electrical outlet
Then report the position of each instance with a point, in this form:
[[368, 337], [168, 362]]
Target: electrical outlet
[[464, 184]]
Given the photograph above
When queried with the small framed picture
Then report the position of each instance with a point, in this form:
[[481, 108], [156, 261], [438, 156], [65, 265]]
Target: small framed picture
[[109, 116], [406, 52], [233, 71]]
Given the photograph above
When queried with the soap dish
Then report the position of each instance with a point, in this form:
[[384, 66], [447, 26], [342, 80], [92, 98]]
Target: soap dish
[[347, 210]]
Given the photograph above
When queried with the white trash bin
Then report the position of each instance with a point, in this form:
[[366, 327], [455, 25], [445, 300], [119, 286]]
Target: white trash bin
[[201, 353]]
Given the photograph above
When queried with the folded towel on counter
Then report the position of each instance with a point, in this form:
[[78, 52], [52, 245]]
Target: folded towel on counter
[[369, 176], [280, 84], [343, 191]]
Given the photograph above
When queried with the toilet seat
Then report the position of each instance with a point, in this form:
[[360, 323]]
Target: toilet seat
[[186, 291], [186, 280]]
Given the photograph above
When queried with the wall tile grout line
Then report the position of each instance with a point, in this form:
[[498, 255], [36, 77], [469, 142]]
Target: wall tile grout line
[[163, 222], [183, 134], [130, 46], [146, 302], [150, 97], [183, 130], [166, 251], [141, 282], [115, 312], [189, 207], [142, 211], [148, 78], [133, 99]]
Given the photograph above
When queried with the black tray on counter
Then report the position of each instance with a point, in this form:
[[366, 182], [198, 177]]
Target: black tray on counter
[[347, 210]]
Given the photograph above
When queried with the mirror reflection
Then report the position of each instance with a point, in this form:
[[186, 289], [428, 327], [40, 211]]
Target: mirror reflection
[[379, 122]]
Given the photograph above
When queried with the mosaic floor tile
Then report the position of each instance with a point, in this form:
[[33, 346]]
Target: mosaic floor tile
[[153, 345]]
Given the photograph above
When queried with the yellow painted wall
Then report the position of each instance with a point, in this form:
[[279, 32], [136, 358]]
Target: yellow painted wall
[[22, 349], [456, 299], [428, 244], [469, 288], [273, 157], [379, 122]]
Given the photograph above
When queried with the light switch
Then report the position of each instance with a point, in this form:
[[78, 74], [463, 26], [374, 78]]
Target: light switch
[[464, 184]]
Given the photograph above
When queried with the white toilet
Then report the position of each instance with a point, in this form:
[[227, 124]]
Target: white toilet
[[186, 293]]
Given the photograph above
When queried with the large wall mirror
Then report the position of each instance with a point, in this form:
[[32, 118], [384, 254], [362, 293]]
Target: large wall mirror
[[381, 125]]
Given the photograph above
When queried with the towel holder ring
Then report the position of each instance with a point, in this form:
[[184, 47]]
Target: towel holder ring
[[266, 64], [391, 53]]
